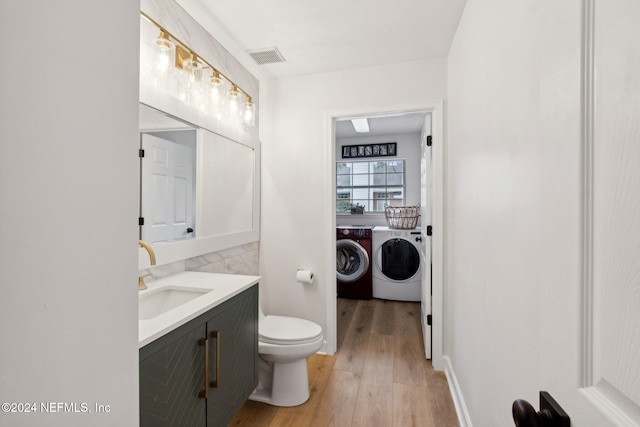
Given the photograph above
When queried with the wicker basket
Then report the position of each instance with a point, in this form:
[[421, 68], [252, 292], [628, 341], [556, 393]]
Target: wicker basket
[[402, 217]]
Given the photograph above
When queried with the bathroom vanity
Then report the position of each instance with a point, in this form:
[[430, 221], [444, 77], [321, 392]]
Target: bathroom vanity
[[198, 332], [198, 359]]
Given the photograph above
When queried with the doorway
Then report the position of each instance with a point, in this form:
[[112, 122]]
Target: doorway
[[338, 124]]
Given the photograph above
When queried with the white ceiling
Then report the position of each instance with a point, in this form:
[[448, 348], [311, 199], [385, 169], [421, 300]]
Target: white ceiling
[[323, 36], [384, 125], [331, 35]]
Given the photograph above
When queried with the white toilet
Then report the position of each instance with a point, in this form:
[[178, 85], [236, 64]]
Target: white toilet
[[284, 344]]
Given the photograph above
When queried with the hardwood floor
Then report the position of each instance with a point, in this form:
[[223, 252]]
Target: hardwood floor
[[378, 377]]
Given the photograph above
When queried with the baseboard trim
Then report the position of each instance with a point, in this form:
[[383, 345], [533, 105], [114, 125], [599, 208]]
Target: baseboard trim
[[456, 394]]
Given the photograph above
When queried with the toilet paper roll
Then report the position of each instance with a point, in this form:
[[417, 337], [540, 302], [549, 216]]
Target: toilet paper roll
[[304, 276]]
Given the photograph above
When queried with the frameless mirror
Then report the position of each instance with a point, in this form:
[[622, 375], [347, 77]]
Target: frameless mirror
[[198, 189], [167, 177]]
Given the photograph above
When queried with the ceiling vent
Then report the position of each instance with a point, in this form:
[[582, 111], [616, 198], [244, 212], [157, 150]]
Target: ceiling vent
[[269, 55]]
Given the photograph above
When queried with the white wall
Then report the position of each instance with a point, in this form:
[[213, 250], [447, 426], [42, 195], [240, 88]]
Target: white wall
[[297, 220], [68, 203], [513, 199]]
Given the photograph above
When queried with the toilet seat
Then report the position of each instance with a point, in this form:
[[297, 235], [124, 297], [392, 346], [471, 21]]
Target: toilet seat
[[282, 330]]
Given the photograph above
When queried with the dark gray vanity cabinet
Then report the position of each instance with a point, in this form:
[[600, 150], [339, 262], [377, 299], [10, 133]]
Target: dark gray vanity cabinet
[[202, 373]]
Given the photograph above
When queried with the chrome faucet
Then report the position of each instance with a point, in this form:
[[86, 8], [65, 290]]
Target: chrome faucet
[[152, 258]]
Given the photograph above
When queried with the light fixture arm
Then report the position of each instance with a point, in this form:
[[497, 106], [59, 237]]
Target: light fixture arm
[[193, 55]]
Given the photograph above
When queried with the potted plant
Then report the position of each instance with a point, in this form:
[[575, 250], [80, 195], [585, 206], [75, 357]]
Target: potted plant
[[357, 208]]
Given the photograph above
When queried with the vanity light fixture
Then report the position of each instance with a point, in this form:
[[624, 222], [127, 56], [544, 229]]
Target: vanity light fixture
[[203, 93]]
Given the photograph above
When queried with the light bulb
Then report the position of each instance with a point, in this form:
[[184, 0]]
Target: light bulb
[[215, 87], [164, 57], [234, 98], [249, 114], [193, 68], [193, 73]]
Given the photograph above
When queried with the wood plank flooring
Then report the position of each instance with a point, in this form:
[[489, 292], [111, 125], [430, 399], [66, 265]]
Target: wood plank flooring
[[378, 377]]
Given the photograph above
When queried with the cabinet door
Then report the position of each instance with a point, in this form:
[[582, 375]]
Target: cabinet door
[[233, 357], [170, 381]]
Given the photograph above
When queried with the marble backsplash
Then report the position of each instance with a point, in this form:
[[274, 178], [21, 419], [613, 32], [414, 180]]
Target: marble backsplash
[[238, 260], [241, 259]]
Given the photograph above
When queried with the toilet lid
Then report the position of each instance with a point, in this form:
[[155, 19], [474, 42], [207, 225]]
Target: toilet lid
[[287, 330]]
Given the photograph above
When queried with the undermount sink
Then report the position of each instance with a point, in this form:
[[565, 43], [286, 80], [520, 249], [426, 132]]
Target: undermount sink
[[159, 301]]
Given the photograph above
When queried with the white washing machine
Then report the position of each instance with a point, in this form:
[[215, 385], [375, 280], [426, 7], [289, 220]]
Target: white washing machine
[[397, 271]]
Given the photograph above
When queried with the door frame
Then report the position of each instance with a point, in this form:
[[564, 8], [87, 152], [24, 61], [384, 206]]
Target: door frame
[[436, 109]]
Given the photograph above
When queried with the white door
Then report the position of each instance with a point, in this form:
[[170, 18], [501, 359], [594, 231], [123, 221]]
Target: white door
[[612, 318], [425, 215], [596, 339], [167, 190]]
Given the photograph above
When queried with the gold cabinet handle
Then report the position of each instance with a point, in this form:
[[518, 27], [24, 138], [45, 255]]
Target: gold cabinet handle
[[205, 342], [216, 383]]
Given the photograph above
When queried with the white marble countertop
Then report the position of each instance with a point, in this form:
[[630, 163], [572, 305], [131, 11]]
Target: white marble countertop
[[223, 287]]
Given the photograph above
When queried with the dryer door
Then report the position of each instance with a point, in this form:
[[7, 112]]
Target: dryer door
[[352, 260], [398, 259]]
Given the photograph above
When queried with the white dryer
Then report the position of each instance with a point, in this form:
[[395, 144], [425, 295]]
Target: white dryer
[[397, 271]]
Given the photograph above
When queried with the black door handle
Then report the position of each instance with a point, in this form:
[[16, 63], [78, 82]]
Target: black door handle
[[550, 414], [189, 230], [524, 415]]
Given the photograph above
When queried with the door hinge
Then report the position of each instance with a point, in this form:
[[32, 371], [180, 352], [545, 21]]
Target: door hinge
[[429, 230], [141, 153], [429, 140], [140, 221], [429, 319]]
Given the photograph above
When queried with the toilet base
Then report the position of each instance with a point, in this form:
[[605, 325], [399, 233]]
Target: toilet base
[[282, 383]]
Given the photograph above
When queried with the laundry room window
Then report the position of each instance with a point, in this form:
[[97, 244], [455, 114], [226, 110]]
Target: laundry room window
[[371, 184]]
